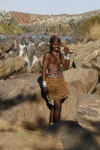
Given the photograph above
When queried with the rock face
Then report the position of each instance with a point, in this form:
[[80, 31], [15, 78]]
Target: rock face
[[22, 102], [86, 55], [84, 80], [89, 108]]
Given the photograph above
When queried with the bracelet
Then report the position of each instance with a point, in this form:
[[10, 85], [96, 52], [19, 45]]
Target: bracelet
[[68, 56], [44, 84]]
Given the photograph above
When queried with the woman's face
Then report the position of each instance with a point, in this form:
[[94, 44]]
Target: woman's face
[[55, 46]]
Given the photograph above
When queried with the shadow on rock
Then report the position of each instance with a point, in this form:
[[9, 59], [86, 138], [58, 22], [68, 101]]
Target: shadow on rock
[[1, 147], [73, 136], [96, 124], [39, 125], [8, 103]]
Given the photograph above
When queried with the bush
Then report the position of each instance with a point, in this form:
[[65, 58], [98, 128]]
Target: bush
[[94, 32], [26, 28], [84, 28], [9, 29], [2, 30]]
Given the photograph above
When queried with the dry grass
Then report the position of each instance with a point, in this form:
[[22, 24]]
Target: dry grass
[[2, 30], [94, 31]]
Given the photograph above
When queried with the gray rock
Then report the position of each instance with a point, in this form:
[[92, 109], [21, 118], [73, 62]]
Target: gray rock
[[23, 103], [73, 136], [84, 80]]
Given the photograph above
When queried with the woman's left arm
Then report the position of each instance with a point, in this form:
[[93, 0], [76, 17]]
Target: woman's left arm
[[66, 60]]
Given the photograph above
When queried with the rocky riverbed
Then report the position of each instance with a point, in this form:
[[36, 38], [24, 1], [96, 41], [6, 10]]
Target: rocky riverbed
[[24, 113]]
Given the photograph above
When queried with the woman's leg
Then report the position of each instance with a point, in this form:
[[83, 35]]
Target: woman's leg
[[51, 116], [57, 110]]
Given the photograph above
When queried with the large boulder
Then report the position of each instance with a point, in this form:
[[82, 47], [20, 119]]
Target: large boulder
[[84, 80], [84, 54], [11, 65], [89, 110], [72, 136], [22, 102]]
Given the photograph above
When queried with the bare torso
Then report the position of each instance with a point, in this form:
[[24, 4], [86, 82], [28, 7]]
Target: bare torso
[[54, 62]]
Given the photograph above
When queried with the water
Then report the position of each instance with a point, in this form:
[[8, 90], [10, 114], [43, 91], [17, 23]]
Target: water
[[39, 36], [3, 37], [72, 39]]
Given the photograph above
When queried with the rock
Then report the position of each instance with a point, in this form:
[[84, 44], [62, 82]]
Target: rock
[[88, 114], [26, 40], [84, 80], [22, 102], [85, 54], [11, 65], [35, 41], [37, 67], [89, 106], [97, 92], [96, 65], [1, 64], [72, 101], [72, 136]]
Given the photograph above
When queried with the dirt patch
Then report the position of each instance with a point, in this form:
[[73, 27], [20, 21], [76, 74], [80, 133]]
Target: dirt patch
[[17, 138]]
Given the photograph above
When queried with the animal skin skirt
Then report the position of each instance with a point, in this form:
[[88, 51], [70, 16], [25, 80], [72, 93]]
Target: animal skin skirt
[[57, 87]]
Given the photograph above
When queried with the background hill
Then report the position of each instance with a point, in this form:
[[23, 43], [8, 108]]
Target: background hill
[[62, 24]]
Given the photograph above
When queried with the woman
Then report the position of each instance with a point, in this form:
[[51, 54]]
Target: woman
[[53, 82]]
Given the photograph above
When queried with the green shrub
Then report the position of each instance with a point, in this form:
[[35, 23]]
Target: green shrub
[[10, 29], [27, 28], [2, 30]]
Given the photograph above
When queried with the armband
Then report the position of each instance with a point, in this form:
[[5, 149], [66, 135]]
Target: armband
[[68, 56], [44, 84]]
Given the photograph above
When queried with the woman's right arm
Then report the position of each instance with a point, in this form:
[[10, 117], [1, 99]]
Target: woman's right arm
[[44, 68]]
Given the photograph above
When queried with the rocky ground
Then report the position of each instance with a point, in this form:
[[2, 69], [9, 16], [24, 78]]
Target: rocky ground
[[17, 130], [12, 138], [24, 114], [27, 140]]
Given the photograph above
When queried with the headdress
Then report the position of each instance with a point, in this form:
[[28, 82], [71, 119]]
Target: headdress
[[54, 38]]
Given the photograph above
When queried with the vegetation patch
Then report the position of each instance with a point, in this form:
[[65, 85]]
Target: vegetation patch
[[10, 29], [90, 28]]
